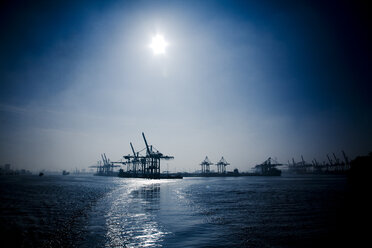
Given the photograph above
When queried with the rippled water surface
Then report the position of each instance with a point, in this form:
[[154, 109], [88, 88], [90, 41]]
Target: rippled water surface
[[88, 211]]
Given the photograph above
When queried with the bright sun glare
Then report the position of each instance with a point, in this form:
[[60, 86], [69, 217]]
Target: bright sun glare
[[158, 44]]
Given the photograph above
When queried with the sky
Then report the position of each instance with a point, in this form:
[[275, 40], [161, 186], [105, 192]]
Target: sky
[[246, 80]]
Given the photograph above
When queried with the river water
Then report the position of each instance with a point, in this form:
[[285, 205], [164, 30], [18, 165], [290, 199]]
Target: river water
[[88, 211]]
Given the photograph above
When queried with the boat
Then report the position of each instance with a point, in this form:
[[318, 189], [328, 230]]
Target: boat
[[65, 173]]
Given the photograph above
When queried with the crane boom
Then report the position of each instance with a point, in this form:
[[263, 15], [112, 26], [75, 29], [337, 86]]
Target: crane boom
[[147, 146], [336, 159], [106, 158], [330, 160], [134, 153], [345, 157]]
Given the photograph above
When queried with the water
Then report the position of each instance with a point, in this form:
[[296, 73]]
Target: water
[[87, 211]]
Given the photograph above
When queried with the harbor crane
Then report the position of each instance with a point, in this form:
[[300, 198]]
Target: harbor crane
[[221, 166], [268, 168], [205, 165], [333, 165], [152, 159], [105, 166], [146, 166]]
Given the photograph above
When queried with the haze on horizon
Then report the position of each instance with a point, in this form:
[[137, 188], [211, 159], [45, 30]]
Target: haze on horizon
[[245, 80]]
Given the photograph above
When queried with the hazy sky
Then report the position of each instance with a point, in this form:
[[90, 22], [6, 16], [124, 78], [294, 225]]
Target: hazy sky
[[244, 80]]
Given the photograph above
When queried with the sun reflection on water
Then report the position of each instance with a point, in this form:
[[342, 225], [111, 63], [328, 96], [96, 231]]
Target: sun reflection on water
[[132, 217]]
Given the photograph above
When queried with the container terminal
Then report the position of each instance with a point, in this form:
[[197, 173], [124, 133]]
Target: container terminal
[[333, 165], [137, 165], [145, 163]]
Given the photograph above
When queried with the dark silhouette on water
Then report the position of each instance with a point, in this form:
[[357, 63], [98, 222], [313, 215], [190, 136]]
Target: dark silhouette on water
[[137, 166], [205, 165], [221, 165], [361, 168], [335, 166], [145, 166], [105, 167], [267, 168]]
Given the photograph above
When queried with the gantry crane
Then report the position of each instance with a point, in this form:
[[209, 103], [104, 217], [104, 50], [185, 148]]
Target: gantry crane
[[205, 165], [147, 166], [268, 168], [221, 165]]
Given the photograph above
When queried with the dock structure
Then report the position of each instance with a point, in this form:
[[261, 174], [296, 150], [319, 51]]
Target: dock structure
[[105, 167], [333, 165], [144, 166], [268, 168], [205, 165], [221, 166]]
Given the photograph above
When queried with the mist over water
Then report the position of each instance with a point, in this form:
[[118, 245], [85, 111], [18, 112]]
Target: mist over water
[[238, 79], [249, 81], [74, 211]]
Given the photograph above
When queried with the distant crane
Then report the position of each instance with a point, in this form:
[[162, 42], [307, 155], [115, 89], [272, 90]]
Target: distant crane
[[268, 168], [105, 167], [221, 165], [98, 166], [135, 161], [346, 158], [334, 165], [149, 163], [336, 159], [205, 165], [303, 161], [330, 160]]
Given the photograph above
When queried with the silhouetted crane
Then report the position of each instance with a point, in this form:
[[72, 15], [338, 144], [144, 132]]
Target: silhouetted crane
[[267, 168], [221, 165], [150, 163], [205, 165]]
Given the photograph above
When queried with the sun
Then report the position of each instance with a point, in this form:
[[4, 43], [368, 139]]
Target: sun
[[158, 44]]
